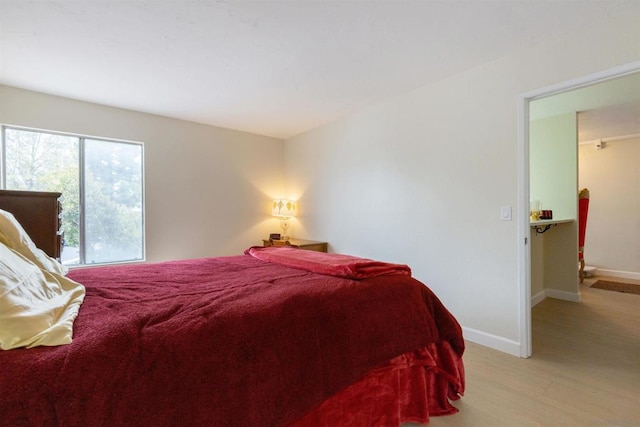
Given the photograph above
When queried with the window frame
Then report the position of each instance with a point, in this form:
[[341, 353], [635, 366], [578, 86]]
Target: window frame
[[81, 186]]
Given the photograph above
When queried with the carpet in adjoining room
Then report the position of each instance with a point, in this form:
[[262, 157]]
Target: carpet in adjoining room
[[628, 288]]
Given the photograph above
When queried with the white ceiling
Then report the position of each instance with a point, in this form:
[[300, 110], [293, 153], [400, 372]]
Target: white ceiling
[[275, 68], [610, 122]]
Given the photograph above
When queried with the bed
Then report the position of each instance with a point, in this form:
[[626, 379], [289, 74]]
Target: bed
[[272, 337]]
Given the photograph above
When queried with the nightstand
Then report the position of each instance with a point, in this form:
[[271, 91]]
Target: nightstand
[[309, 245]]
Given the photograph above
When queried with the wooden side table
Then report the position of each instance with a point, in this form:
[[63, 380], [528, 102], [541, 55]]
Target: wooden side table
[[309, 245]]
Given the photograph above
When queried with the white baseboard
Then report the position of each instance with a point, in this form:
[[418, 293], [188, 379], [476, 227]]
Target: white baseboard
[[538, 298], [563, 295], [554, 293], [492, 341], [617, 273], [509, 346]]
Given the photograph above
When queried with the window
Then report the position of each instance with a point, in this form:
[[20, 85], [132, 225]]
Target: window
[[101, 182]]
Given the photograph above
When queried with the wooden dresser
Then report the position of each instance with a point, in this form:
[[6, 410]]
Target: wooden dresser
[[39, 214]]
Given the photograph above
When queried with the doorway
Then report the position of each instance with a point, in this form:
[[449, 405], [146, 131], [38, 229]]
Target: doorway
[[524, 231]]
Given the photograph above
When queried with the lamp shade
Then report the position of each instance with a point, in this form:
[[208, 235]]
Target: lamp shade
[[283, 208]]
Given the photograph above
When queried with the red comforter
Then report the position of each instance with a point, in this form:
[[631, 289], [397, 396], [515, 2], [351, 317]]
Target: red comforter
[[219, 341]]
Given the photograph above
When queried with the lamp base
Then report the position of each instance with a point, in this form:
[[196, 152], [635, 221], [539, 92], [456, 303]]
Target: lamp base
[[284, 224]]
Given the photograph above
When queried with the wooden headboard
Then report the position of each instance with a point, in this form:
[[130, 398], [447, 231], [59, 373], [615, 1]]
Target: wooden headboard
[[39, 214]]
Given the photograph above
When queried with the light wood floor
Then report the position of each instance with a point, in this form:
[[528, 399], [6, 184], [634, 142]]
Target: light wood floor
[[585, 368]]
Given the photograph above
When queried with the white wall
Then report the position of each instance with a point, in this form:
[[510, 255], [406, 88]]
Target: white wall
[[208, 189], [553, 169], [421, 178], [612, 176], [553, 175]]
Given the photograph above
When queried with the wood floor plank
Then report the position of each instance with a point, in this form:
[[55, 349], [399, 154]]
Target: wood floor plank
[[585, 368]]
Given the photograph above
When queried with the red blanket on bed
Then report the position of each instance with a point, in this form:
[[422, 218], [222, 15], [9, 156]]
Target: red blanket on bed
[[338, 265], [219, 341]]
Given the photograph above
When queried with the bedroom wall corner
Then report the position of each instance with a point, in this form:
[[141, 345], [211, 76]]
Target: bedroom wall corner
[[208, 190]]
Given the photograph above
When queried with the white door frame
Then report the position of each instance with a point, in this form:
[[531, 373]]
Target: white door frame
[[524, 230]]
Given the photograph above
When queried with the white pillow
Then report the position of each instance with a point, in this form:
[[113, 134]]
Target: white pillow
[[36, 307], [14, 236]]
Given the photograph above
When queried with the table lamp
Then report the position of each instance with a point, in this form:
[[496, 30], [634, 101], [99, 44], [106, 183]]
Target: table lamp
[[284, 209]]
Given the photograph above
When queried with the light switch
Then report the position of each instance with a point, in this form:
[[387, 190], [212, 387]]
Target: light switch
[[505, 213]]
